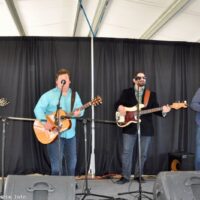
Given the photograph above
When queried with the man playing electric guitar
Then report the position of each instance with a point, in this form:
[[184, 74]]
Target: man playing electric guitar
[[47, 105], [129, 98]]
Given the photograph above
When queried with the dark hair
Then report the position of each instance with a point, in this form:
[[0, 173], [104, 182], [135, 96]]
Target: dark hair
[[63, 71], [137, 72]]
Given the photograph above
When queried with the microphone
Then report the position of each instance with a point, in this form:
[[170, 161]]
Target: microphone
[[63, 82]]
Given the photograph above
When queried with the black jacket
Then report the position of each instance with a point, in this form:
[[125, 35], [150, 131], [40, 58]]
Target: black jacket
[[128, 99]]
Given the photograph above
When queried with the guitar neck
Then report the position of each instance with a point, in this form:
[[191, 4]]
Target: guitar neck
[[142, 112], [83, 107]]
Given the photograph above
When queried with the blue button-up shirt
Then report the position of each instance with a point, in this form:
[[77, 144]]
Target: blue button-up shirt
[[47, 104], [195, 105]]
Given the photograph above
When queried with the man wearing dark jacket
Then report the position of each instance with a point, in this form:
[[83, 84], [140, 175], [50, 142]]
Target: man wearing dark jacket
[[128, 99]]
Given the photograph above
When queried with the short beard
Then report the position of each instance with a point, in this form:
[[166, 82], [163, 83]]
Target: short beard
[[141, 84]]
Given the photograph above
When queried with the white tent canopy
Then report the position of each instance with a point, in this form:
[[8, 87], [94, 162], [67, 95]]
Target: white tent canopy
[[169, 20]]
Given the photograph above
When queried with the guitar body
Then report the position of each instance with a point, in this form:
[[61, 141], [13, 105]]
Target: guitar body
[[44, 136], [48, 136], [129, 118], [65, 123]]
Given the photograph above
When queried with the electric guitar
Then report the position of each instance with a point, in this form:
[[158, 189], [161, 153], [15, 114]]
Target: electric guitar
[[131, 113], [48, 136]]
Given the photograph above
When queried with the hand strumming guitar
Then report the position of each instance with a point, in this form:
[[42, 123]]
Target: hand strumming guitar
[[122, 110], [48, 126], [76, 113]]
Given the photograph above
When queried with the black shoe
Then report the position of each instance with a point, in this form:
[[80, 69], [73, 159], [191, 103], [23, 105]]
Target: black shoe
[[122, 180], [136, 178]]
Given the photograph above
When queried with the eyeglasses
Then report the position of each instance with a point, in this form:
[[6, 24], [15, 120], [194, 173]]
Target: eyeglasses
[[140, 77]]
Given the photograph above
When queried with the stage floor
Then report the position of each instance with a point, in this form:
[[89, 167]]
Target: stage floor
[[102, 188], [108, 187]]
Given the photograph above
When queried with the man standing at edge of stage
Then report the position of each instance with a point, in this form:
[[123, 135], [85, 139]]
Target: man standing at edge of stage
[[129, 98]]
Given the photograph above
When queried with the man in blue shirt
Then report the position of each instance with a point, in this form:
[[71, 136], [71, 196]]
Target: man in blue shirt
[[47, 105], [195, 105]]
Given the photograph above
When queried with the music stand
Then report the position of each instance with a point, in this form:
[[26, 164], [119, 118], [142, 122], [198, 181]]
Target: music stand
[[87, 190], [139, 191]]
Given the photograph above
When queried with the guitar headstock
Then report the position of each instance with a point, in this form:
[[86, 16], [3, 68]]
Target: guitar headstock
[[96, 101], [179, 105], [3, 102]]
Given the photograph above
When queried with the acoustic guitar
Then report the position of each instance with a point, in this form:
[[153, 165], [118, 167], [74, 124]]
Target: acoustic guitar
[[131, 113], [48, 136]]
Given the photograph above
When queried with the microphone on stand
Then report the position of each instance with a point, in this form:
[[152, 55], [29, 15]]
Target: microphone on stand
[[56, 116], [63, 82]]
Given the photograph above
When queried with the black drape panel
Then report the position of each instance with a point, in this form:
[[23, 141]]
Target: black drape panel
[[172, 70], [28, 66]]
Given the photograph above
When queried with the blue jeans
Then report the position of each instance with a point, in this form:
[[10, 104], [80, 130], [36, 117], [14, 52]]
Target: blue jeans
[[68, 152], [129, 141], [197, 154]]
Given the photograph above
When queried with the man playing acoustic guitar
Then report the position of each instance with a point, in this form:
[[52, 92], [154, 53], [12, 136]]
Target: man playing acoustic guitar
[[128, 101], [47, 115]]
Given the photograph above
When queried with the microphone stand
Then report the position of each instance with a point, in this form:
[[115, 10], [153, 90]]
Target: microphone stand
[[3, 153], [57, 123], [139, 155], [3, 102], [87, 190]]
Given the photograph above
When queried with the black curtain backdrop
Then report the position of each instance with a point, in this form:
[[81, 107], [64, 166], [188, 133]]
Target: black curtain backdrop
[[28, 66]]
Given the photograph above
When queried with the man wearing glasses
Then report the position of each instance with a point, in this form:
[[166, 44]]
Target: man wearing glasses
[[129, 101]]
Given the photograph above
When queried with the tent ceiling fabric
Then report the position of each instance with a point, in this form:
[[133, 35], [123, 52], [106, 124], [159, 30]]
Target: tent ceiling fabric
[[168, 20]]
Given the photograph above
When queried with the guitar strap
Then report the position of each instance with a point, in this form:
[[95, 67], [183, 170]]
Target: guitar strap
[[146, 97], [73, 99]]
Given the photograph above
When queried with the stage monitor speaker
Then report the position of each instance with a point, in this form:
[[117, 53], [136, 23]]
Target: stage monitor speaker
[[39, 187], [179, 185], [181, 161]]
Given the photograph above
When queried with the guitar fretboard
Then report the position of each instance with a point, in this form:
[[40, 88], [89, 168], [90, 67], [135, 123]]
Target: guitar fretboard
[[83, 107], [142, 112]]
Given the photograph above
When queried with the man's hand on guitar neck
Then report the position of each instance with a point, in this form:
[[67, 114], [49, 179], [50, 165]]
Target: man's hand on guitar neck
[[121, 109], [76, 113], [166, 109]]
